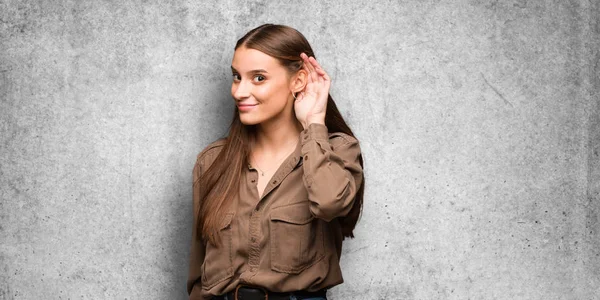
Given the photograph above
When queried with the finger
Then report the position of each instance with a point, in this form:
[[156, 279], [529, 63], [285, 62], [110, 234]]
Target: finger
[[314, 62], [325, 76], [311, 69], [322, 74], [303, 58], [305, 62]]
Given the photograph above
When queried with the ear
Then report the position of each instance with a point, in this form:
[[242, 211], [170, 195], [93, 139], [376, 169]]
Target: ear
[[299, 81]]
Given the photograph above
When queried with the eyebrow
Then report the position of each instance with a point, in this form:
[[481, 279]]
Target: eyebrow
[[252, 71]]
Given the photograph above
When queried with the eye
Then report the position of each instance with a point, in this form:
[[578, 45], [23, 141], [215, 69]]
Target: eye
[[236, 77], [259, 78]]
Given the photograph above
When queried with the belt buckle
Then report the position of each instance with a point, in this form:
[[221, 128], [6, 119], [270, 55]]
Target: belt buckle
[[235, 295]]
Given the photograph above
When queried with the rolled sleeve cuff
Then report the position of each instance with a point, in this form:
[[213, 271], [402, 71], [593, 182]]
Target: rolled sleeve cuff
[[315, 131]]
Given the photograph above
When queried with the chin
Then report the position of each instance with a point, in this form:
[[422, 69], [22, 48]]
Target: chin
[[247, 120]]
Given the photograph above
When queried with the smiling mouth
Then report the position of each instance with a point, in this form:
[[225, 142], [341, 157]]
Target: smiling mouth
[[243, 108]]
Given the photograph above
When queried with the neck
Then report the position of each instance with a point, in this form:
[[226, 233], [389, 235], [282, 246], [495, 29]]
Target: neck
[[276, 136]]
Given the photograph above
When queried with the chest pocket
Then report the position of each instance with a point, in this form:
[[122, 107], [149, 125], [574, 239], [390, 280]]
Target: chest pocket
[[296, 238], [218, 260]]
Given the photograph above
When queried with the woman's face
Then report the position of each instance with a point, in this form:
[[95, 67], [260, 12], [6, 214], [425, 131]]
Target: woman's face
[[260, 87]]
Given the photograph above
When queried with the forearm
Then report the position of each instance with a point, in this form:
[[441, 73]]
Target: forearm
[[331, 176]]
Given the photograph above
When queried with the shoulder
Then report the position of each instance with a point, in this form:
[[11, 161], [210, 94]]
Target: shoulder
[[210, 152], [341, 138], [320, 131]]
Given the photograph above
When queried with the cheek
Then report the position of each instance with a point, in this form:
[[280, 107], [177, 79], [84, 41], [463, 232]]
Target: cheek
[[263, 93], [272, 92]]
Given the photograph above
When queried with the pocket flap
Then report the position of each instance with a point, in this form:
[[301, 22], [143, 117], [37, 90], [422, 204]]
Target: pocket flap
[[226, 221], [297, 213]]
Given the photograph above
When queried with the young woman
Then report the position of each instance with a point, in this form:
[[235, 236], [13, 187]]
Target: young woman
[[275, 198]]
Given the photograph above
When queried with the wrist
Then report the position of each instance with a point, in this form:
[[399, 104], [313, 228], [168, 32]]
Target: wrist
[[317, 121]]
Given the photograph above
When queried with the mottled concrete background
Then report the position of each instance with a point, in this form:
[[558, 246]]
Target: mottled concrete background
[[479, 122]]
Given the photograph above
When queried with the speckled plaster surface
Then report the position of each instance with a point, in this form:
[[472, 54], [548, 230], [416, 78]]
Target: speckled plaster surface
[[479, 122]]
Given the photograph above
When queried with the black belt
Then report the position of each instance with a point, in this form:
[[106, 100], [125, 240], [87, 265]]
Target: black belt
[[257, 293]]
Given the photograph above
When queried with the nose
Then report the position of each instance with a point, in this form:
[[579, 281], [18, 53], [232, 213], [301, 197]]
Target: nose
[[241, 90]]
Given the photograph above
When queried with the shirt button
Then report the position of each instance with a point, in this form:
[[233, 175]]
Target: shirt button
[[253, 180], [274, 181], [305, 157]]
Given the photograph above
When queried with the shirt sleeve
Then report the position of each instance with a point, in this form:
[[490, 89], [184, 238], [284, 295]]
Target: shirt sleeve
[[197, 246], [332, 171]]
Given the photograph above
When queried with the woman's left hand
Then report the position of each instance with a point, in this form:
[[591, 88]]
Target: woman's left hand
[[311, 103]]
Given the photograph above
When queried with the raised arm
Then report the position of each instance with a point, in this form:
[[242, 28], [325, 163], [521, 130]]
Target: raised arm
[[332, 171]]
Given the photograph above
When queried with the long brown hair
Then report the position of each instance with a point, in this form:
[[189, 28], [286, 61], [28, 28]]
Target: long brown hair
[[219, 184]]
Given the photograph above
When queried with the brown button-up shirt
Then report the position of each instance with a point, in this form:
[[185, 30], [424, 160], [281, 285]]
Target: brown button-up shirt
[[289, 239]]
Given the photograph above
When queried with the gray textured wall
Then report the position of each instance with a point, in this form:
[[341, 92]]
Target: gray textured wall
[[479, 122]]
